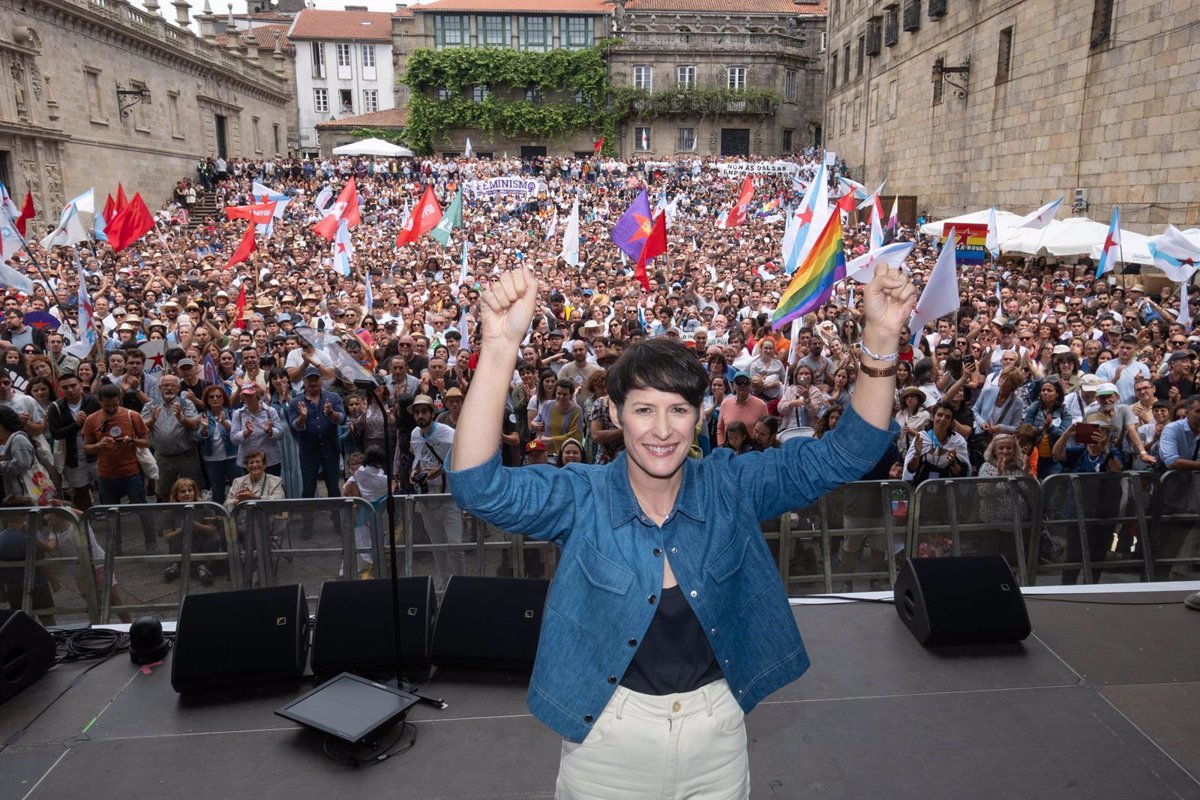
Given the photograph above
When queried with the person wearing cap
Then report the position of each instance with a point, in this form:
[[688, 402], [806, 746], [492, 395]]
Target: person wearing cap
[[314, 416], [257, 428], [1125, 369], [741, 406], [431, 442], [1119, 424], [653, 535], [1179, 382], [536, 453]]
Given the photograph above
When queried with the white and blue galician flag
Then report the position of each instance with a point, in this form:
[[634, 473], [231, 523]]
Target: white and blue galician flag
[[1041, 218], [1112, 245], [264, 194], [368, 295], [70, 229], [992, 243], [343, 248]]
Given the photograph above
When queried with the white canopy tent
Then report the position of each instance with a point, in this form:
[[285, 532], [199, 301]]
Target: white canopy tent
[[373, 147]]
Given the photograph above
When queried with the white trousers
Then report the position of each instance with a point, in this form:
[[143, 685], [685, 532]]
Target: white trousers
[[689, 746]]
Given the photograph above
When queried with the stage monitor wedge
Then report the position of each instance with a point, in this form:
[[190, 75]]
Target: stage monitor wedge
[[353, 631], [226, 640], [26, 652], [489, 623], [961, 600]]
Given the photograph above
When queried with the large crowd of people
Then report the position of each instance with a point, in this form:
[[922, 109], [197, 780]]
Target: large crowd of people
[[1043, 369]]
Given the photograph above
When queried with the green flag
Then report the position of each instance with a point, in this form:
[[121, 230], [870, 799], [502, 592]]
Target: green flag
[[450, 220]]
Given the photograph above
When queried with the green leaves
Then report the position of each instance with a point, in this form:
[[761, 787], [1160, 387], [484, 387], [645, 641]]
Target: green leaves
[[639, 104], [460, 70]]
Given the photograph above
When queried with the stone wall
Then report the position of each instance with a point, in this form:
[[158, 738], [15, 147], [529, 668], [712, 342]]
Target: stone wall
[[1119, 120], [62, 132], [766, 47]]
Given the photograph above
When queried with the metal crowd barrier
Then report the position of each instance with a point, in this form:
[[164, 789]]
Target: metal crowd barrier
[[113, 561], [820, 546], [44, 564], [193, 540]]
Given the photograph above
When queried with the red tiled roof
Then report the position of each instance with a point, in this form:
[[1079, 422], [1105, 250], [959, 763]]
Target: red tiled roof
[[403, 11], [730, 6], [264, 35], [389, 118], [519, 6], [368, 26]]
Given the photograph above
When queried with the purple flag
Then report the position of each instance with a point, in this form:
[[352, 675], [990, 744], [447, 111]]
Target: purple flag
[[631, 230]]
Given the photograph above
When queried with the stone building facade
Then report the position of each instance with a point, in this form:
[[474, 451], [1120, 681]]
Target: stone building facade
[[343, 67], [1094, 100], [64, 127], [681, 45]]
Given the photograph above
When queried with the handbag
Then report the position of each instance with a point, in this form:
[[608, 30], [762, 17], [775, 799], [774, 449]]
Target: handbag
[[37, 482]]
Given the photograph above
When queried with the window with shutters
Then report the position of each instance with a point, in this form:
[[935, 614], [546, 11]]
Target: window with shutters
[[1004, 55], [874, 36], [789, 85], [735, 78], [576, 32], [912, 15], [862, 51], [833, 70], [846, 64], [687, 140], [937, 9], [451, 30], [643, 77], [891, 25], [937, 85], [685, 77], [536, 33]]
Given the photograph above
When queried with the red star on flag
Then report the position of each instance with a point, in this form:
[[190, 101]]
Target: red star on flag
[[806, 216], [1109, 243], [156, 362], [643, 227]]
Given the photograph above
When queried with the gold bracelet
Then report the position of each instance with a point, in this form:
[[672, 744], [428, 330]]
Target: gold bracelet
[[872, 372]]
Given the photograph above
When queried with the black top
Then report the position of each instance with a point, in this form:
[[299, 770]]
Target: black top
[[674, 655]]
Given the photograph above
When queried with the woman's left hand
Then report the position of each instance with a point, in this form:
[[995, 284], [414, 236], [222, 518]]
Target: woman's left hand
[[888, 301]]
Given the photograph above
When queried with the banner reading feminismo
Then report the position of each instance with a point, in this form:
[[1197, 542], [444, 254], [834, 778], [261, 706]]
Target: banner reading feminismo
[[506, 185], [759, 168]]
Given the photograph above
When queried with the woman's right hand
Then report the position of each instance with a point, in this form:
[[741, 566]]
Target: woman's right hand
[[508, 307]]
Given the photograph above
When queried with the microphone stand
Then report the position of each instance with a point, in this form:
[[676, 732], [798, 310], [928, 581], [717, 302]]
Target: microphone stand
[[401, 683]]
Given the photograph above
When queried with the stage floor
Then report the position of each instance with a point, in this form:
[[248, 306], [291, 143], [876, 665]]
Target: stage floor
[[1103, 701]]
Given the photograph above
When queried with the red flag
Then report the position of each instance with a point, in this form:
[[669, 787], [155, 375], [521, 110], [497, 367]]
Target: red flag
[[422, 220], [259, 213], [121, 201], [599, 145], [243, 252], [656, 245], [110, 210], [737, 215], [27, 213], [240, 308], [344, 208], [847, 202], [129, 224]]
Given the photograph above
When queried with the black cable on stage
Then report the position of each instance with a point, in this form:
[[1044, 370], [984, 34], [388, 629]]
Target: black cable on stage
[[349, 756], [87, 643]]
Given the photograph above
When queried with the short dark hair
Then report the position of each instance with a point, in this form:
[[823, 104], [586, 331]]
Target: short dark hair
[[660, 363], [10, 420], [109, 391], [1129, 338]]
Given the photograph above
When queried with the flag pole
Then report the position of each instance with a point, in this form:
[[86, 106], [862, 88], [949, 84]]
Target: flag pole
[[167, 247]]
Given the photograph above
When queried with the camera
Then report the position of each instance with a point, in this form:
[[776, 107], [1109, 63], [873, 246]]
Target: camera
[[421, 483]]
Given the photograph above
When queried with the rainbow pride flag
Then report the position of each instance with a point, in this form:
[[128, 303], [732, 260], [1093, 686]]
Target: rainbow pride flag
[[812, 283]]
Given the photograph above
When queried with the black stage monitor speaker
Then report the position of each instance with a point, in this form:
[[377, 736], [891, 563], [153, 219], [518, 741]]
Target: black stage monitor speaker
[[230, 639], [489, 623], [961, 600], [26, 652], [354, 633]]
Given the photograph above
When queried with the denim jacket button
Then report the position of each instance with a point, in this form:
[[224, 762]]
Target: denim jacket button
[[694, 593], [713, 631], [651, 599], [633, 642], [588, 719], [658, 551], [674, 549], [612, 678]]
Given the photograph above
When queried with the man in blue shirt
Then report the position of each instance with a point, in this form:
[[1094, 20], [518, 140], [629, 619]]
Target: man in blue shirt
[[1180, 450], [666, 605], [314, 417]]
